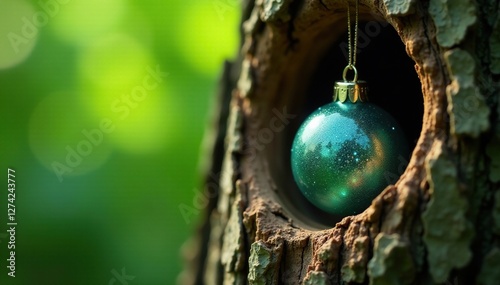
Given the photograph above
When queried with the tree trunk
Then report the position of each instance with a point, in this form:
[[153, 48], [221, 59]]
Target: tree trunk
[[437, 222]]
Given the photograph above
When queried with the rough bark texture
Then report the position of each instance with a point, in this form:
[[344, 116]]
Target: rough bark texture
[[438, 223]]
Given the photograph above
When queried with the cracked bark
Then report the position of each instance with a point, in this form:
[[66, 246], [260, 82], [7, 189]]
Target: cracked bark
[[437, 223]]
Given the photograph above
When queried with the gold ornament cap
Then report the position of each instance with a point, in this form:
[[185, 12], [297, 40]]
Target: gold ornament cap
[[355, 90]]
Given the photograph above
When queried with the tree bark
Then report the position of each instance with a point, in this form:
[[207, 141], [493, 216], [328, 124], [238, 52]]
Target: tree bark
[[437, 222]]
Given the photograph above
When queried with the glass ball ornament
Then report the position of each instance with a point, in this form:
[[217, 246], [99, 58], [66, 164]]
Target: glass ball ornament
[[345, 152]]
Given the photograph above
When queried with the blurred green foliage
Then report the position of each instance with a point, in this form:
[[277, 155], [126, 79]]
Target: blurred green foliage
[[103, 108]]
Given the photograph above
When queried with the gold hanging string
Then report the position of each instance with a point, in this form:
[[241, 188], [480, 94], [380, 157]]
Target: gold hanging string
[[352, 50]]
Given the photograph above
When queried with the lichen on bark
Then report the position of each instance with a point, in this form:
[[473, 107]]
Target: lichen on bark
[[263, 264], [392, 262], [447, 231], [469, 114], [317, 278], [399, 7], [233, 257], [452, 19]]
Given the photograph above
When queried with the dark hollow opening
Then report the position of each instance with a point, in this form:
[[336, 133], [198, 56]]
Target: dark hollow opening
[[393, 86]]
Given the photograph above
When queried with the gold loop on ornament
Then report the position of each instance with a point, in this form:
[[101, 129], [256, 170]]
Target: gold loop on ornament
[[351, 67]]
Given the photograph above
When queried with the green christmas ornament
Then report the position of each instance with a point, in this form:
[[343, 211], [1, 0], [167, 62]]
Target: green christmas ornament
[[344, 152]]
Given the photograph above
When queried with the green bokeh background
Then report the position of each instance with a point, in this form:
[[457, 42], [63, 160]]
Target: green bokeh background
[[63, 66]]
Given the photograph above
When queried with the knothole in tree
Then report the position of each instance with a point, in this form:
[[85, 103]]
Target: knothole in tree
[[393, 86]]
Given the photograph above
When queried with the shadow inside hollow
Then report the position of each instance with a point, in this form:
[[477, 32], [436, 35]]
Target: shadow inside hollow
[[383, 63]]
